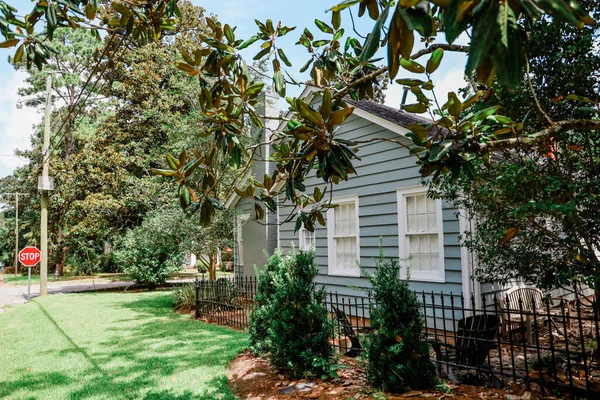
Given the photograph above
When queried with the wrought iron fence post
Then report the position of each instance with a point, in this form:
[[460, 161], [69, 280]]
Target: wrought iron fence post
[[197, 306]]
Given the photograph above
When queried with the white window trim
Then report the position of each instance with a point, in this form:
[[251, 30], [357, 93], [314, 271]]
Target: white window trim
[[240, 220], [331, 253], [439, 276]]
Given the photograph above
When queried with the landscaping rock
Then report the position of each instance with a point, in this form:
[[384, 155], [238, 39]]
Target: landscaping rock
[[270, 386], [301, 387]]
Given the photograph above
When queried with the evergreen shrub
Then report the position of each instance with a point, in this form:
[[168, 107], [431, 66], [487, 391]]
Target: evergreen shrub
[[397, 351], [290, 324]]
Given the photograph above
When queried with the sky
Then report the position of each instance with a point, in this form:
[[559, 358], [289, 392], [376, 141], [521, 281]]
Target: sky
[[16, 126]]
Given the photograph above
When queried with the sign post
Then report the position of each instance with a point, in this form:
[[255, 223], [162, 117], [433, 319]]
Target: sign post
[[29, 257]]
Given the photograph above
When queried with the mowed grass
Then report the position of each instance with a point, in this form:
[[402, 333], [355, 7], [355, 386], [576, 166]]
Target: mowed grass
[[20, 280], [112, 346]]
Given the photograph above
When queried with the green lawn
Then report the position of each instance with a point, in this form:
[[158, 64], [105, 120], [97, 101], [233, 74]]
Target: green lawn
[[21, 280], [35, 279], [112, 346]]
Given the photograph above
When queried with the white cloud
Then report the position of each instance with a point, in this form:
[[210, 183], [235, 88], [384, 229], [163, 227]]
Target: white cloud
[[16, 126]]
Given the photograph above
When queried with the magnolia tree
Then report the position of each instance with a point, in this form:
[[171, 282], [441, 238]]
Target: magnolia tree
[[340, 65]]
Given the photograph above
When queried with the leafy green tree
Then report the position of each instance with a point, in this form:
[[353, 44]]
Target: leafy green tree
[[151, 252], [104, 187], [297, 340], [398, 351], [5, 245], [536, 210], [74, 52], [261, 315], [340, 65]]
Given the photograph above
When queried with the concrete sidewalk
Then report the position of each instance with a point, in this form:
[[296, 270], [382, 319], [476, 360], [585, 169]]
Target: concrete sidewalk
[[13, 295]]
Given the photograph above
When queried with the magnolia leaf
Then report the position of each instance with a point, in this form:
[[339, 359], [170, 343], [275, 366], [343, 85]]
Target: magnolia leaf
[[411, 66], [336, 19], [417, 108], [90, 10], [410, 82], [372, 42], [485, 33], [508, 235], [9, 43], [284, 57], [434, 61], [248, 42], [164, 172], [259, 212], [187, 68], [439, 150], [323, 26]]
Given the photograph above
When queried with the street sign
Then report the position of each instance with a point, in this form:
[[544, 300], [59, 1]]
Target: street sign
[[29, 256]]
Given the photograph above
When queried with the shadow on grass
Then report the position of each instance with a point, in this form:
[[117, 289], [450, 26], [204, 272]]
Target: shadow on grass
[[185, 358]]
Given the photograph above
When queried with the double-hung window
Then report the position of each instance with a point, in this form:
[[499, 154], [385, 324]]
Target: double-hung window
[[343, 237], [307, 239], [420, 234]]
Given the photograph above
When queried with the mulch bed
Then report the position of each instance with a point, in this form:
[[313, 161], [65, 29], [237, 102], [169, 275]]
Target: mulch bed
[[253, 378]]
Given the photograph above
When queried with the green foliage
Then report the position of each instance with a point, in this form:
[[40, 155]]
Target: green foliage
[[107, 264], [6, 250], [202, 265], [397, 352], [261, 316], [221, 291], [535, 211], [151, 252], [185, 297], [291, 325]]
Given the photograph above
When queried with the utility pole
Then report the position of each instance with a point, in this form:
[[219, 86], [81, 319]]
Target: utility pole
[[45, 184]]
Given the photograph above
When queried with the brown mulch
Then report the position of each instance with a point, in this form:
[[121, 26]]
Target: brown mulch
[[253, 378]]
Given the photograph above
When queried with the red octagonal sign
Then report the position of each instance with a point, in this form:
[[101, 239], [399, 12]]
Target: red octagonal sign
[[29, 256]]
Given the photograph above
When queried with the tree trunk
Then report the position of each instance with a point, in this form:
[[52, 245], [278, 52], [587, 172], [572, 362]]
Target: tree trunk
[[62, 254], [596, 352], [212, 268]]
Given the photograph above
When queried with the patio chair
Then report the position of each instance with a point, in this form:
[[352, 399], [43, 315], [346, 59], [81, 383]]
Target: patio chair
[[514, 300], [473, 342], [348, 331]]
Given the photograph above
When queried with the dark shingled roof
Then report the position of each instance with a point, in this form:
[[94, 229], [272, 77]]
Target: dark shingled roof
[[396, 116]]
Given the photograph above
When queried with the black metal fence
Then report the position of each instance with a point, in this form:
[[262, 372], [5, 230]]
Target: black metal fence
[[523, 337]]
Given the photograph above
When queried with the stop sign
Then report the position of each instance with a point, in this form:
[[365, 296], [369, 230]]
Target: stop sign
[[29, 256]]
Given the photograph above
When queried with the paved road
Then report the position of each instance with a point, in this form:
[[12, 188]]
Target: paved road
[[12, 295]]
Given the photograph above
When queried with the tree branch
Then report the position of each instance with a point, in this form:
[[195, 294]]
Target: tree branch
[[535, 98], [536, 138], [444, 46], [382, 70]]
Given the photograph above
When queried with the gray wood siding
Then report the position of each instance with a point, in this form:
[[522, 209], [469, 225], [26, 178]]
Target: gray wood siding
[[383, 168], [254, 236]]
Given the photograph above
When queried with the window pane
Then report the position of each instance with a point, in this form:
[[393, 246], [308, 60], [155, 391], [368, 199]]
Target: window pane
[[422, 223], [433, 243], [351, 219], [431, 222], [421, 204], [345, 252], [434, 260], [415, 263], [423, 244], [430, 205], [410, 205], [412, 223]]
